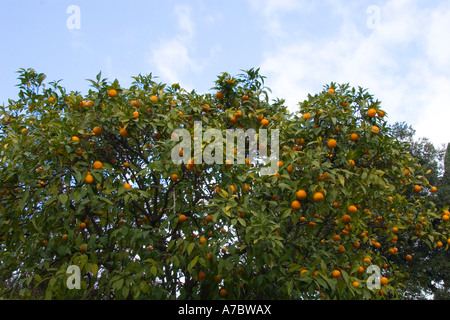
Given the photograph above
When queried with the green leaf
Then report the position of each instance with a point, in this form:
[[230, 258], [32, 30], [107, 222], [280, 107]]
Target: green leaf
[[63, 198]]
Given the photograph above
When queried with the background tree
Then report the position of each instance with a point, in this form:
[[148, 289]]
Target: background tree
[[88, 180], [430, 268]]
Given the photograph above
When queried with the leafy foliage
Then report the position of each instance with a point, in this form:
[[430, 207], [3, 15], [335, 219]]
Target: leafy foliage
[[124, 231]]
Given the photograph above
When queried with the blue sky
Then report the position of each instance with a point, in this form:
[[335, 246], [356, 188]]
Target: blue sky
[[398, 49]]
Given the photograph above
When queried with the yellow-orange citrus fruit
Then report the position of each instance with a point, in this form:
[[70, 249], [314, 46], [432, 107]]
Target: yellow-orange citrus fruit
[[352, 209], [408, 257], [355, 284], [219, 95], [202, 240], [301, 195], [295, 205], [371, 113], [154, 98], [331, 91], [336, 274], [433, 189], [346, 219], [384, 281], [174, 177], [182, 218], [112, 93], [417, 188], [354, 137], [264, 122], [97, 165], [123, 132], [375, 130], [223, 292], [318, 197], [332, 143], [89, 179], [127, 186], [75, 138], [97, 130], [201, 275]]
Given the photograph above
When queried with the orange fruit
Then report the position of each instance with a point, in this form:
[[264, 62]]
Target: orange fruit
[[433, 189], [332, 143], [352, 162], [154, 99], [408, 257], [174, 177], [375, 130], [202, 240], [384, 281], [112, 93], [331, 91], [65, 237], [301, 195], [233, 188], [407, 172], [50, 100], [217, 278], [355, 284], [360, 270], [336, 238], [182, 218], [74, 138], [97, 130], [123, 132], [352, 209], [264, 122], [371, 113], [346, 219], [190, 165], [135, 114], [306, 116], [341, 248], [127, 186], [295, 205], [354, 137], [445, 217], [381, 113], [439, 244], [89, 179], [97, 165], [246, 187], [318, 197], [201, 275], [219, 95], [417, 189], [223, 292], [83, 248], [336, 274], [126, 164], [136, 104], [82, 225], [394, 229]]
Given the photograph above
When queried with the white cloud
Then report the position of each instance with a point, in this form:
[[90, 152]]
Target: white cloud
[[402, 63]]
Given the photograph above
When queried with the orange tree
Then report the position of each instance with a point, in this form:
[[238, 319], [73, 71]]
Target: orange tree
[[88, 180]]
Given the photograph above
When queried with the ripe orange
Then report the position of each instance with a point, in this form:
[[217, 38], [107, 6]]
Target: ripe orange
[[354, 137], [154, 99], [82, 225], [136, 104], [75, 138], [174, 177], [301, 195], [407, 172], [135, 114], [83, 248], [352, 209], [439, 244], [408, 257], [182, 218], [219, 95], [445, 217], [123, 132], [264, 122], [433, 189], [331, 91], [352, 162], [50, 100], [346, 219], [127, 186], [336, 274], [202, 240], [394, 229], [381, 113], [360, 270], [332, 143], [126, 164], [97, 165], [375, 130], [318, 197], [244, 97], [223, 292], [190, 165], [89, 179], [384, 281], [371, 113], [295, 205], [306, 116], [97, 131], [341, 248], [201, 275], [336, 238], [355, 284], [65, 237], [417, 189], [112, 93]]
